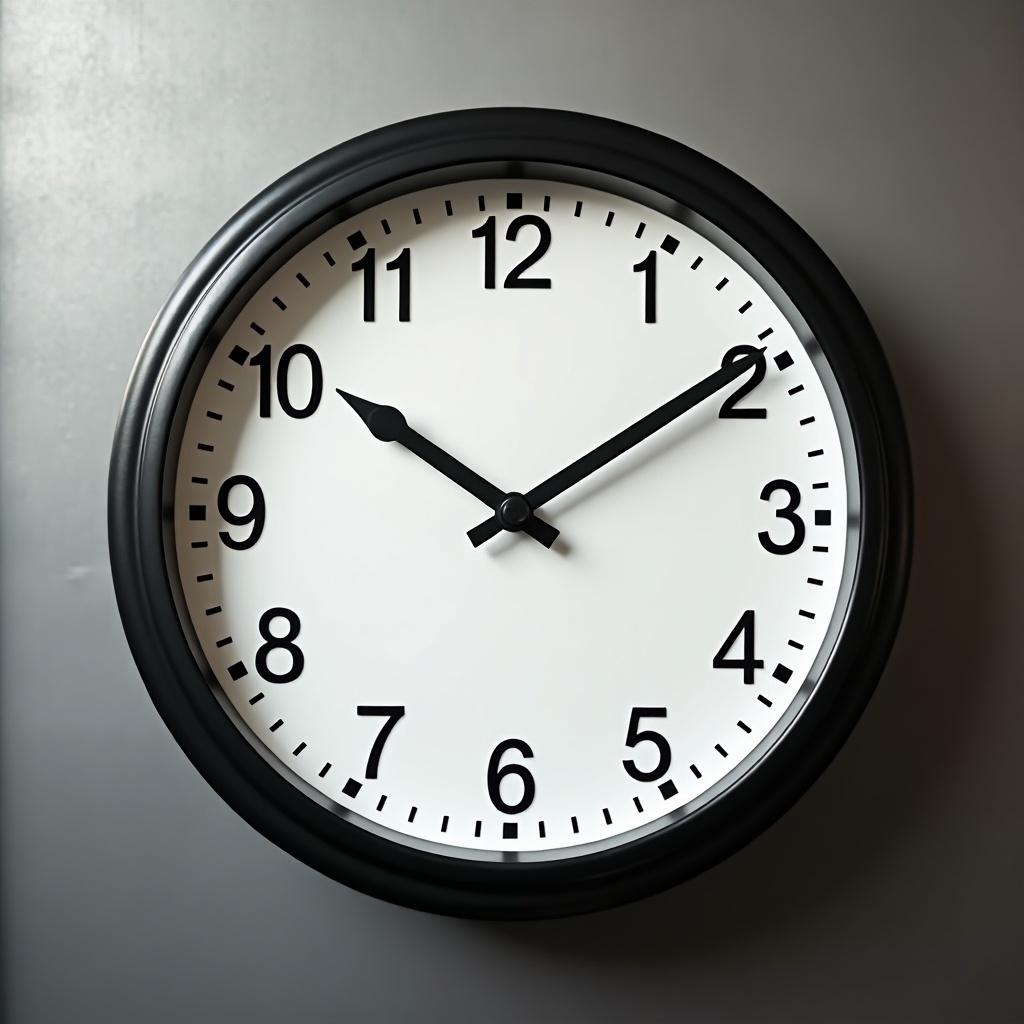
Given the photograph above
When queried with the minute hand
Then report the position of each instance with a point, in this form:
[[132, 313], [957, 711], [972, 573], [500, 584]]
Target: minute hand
[[621, 442]]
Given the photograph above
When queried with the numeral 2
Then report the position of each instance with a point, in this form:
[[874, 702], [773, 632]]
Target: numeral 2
[[729, 410]]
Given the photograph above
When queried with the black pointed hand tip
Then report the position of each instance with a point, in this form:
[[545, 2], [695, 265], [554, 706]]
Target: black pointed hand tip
[[360, 405], [385, 422]]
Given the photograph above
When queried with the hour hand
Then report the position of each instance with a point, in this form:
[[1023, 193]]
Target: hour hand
[[387, 423]]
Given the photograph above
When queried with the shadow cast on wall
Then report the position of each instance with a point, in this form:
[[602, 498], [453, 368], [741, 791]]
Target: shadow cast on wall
[[898, 761]]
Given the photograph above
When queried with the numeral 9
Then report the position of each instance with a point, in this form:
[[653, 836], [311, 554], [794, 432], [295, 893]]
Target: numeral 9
[[256, 516]]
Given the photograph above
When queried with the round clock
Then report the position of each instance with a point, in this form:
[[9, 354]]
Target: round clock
[[510, 512]]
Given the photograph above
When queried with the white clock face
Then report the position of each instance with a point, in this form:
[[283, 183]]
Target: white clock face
[[510, 697]]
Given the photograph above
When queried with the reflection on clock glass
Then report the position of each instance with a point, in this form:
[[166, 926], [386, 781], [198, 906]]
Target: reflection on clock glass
[[652, 625]]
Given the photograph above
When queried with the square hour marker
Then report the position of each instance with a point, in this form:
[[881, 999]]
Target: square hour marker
[[822, 517], [670, 244], [237, 670], [197, 512], [514, 200], [238, 355], [351, 788], [668, 789], [783, 360], [510, 830], [357, 240], [782, 673]]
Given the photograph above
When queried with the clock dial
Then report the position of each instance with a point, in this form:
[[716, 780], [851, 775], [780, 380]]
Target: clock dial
[[666, 609]]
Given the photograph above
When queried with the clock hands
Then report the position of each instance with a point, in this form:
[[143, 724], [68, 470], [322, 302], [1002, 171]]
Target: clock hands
[[617, 445], [387, 423]]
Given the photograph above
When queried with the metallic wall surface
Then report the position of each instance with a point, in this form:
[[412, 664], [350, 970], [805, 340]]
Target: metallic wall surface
[[891, 131]]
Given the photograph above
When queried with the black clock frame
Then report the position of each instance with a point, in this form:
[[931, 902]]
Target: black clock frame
[[261, 237]]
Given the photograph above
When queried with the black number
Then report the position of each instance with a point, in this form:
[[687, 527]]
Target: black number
[[402, 263], [263, 361], [285, 642], [729, 410], [514, 278], [367, 266], [486, 232], [648, 266], [744, 628], [257, 514], [788, 512], [635, 735], [496, 772], [392, 714]]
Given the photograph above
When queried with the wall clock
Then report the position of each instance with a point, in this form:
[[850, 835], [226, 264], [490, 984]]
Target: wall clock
[[510, 512]]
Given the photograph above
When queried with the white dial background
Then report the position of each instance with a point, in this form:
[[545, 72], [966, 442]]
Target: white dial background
[[658, 557]]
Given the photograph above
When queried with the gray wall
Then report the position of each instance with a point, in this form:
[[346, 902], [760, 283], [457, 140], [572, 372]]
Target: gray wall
[[891, 131]]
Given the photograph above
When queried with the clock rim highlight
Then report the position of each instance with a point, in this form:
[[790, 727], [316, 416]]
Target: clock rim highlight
[[488, 144]]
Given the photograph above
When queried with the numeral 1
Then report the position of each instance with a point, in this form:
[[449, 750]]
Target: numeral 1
[[648, 266]]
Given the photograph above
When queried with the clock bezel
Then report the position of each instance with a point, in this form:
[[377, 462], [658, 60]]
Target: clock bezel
[[267, 232]]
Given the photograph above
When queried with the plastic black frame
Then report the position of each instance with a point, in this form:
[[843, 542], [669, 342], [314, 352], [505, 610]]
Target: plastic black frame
[[268, 231]]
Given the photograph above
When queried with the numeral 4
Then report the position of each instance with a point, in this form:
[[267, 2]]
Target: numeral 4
[[742, 632]]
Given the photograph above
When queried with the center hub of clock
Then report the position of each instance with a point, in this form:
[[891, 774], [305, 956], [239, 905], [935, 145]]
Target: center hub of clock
[[514, 512]]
